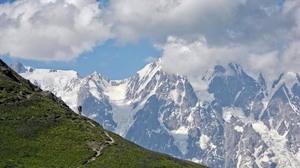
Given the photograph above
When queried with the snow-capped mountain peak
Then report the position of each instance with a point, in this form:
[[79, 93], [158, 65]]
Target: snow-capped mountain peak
[[18, 67], [220, 117]]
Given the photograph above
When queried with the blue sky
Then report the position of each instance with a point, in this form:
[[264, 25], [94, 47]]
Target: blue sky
[[119, 37], [114, 61], [111, 59]]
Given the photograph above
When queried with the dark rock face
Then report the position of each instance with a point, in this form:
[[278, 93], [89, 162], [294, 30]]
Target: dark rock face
[[230, 131]]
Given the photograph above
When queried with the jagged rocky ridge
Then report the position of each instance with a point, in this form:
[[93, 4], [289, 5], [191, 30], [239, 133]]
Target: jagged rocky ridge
[[220, 118]]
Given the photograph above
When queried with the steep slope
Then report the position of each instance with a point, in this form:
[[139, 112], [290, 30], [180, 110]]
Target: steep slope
[[220, 117], [39, 130]]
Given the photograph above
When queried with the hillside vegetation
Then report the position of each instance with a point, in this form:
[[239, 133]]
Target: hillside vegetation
[[39, 130]]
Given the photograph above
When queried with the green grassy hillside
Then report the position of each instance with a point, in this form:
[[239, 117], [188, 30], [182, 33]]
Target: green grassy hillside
[[39, 130]]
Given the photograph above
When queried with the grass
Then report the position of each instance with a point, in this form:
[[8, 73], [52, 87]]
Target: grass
[[127, 154], [38, 136], [39, 130]]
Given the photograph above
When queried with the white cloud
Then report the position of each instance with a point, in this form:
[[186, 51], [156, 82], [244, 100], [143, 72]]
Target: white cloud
[[291, 57], [219, 22], [265, 39], [50, 29], [267, 64], [260, 35], [150, 59], [292, 9], [161, 18], [182, 57]]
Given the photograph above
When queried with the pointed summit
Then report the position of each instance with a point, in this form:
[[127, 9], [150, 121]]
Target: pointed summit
[[18, 67]]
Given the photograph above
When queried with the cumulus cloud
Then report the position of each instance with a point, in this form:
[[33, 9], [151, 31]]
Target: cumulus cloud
[[291, 51], [267, 64], [182, 18], [291, 57], [183, 57], [219, 22], [262, 36], [51, 29]]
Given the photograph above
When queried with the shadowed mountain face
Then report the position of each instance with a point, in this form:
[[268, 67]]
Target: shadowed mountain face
[[221, 118], [40, 130]]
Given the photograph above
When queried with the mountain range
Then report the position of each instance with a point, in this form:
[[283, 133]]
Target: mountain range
[[40, 130], [219, 117]]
